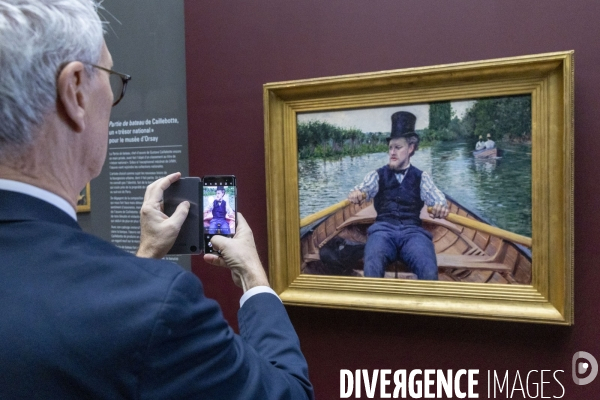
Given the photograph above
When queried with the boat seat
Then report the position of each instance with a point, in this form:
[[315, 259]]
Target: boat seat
[[470, 262]]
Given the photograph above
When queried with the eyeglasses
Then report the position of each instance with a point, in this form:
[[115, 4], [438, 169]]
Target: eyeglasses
[[118, 83]]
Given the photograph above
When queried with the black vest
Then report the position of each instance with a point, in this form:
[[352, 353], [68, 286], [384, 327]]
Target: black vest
[[399, 203], [219, 211]]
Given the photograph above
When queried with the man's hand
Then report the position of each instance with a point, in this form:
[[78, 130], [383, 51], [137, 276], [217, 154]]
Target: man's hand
[[356, 196], [158, 232], [439, 211], [240, 256]]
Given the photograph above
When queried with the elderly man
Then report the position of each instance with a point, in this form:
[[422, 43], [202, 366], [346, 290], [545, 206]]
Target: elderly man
[[399, 191], [81, 318]]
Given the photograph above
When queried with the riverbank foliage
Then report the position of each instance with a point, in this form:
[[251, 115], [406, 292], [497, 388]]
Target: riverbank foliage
[[504, 118], [319, 139]]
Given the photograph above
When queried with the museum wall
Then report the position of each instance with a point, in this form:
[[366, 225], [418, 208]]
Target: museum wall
[[233, 48]]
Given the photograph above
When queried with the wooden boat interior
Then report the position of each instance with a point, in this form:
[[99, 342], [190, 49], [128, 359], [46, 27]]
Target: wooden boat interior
[[463, 254]]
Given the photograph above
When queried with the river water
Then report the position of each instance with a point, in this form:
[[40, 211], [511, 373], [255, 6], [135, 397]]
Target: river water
[[498, 190]]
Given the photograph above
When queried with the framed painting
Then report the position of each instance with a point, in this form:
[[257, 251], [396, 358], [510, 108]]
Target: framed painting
[[84, 200], [443, 190]]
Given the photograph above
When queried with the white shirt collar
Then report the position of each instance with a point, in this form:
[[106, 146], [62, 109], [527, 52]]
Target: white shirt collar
[[42, 194]]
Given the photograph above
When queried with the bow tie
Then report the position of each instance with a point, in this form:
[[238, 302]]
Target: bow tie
[[402, 171]]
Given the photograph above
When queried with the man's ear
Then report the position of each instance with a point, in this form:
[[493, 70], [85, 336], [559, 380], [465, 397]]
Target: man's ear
[[71, 95]]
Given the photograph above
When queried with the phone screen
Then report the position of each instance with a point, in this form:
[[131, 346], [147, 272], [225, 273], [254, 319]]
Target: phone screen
[[219, 198]]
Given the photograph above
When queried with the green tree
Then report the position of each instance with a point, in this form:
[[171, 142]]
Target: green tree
[[318, 139], [456, 128], [508, 116], [440, 114], [354, 135]]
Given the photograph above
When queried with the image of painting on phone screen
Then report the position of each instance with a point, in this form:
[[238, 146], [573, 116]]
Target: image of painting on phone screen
[[219, 209]]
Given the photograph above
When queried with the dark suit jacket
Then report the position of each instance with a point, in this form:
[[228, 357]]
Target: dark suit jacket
[[80, 318]]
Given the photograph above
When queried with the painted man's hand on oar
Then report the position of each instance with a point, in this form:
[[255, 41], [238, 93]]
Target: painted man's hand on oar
[[438, 211], [356, 196]]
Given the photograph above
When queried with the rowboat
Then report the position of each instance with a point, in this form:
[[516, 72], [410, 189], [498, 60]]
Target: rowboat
[[334, 245], [486, 153]]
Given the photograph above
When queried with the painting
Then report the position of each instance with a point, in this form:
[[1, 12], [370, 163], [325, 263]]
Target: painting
[[485, 181], [84, 200], [442, 190], [217, 193]]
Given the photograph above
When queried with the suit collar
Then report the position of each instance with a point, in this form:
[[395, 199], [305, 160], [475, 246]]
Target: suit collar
[[21, 207], [42, 194]]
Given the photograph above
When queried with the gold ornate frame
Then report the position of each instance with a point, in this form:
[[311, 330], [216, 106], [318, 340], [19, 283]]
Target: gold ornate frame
[[84, 200], [548, 78]]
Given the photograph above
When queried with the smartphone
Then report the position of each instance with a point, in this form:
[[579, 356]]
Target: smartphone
[[188, 240], [219, 199]]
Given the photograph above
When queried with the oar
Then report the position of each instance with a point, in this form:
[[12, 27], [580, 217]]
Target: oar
[[492, 230], [320, 214]]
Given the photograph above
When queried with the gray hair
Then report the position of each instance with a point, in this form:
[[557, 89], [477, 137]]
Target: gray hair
[[37, 38]]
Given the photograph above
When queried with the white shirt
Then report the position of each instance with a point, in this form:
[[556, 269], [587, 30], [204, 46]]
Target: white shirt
[[62, 204], [256, 290]]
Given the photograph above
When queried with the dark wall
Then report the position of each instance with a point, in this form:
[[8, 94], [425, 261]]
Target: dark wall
[[234, 47]]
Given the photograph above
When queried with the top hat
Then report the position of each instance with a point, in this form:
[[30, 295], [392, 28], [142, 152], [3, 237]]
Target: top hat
[[221, 188], [403, 125]]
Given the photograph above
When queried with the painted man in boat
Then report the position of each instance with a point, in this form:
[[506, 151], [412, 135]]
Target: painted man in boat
[[490, 144], [220, 210], [486, 149], [399, 191], [480, 145]]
